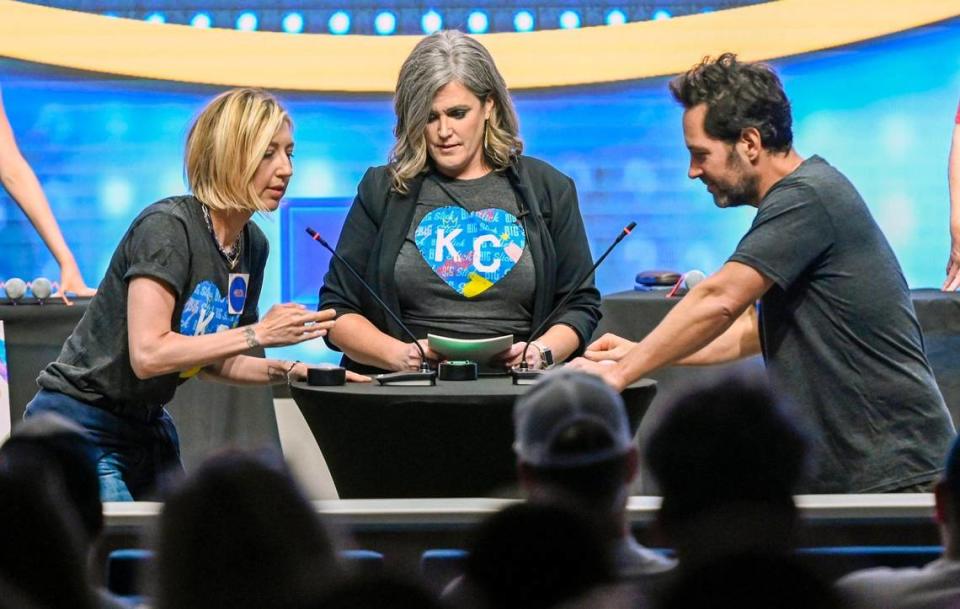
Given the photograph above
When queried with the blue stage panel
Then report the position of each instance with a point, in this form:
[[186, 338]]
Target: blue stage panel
[[881, 111], [303, 261]]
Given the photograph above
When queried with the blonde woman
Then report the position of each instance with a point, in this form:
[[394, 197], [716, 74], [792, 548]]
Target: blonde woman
[[180, 298], [21, 183], [459, 233]]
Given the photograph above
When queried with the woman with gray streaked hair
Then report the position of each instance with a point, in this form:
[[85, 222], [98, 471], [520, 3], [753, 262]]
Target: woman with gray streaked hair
[[450, 57], [459, 234]]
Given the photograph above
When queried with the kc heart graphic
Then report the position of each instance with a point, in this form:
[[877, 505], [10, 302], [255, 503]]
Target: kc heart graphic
[[470, 252], [205, 312]]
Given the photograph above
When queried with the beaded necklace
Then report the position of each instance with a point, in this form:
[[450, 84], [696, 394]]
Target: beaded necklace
[[233, 255]]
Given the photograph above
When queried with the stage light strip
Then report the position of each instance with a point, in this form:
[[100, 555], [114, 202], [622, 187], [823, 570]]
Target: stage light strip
[[551, 58]]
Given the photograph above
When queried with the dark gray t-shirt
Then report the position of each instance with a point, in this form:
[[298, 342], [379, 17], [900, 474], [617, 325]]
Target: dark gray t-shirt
[[168, 241], [840, 337], [465, 268]]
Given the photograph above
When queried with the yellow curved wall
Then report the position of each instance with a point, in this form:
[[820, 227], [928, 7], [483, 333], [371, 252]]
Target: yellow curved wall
[[551, 58]]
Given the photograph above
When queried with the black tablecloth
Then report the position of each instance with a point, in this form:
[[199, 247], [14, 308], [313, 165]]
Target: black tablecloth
[[451, 440]]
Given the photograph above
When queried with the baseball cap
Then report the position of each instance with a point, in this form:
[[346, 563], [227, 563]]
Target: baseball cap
[[560, 400]]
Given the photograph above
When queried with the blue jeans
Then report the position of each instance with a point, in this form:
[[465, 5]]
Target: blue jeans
[[133, 457]]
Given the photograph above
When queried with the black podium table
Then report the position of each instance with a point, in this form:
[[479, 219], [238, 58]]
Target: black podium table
[[451, 440]]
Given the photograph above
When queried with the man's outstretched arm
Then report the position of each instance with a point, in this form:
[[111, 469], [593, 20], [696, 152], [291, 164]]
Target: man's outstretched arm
[[703, 315]]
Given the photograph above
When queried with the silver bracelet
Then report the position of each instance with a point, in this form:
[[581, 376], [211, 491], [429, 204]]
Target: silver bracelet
[[251, 337]]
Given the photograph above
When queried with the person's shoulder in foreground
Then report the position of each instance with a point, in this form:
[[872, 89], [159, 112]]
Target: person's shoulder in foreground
[[933, 586]]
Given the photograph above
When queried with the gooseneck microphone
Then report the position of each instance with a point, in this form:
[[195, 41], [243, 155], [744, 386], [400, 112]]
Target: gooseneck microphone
[[424, 376], [524, 375]]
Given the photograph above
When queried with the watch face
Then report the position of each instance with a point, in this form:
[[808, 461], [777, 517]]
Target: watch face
[[546, 355]]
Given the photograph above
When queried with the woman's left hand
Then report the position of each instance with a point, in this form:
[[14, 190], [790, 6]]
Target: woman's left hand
[[511, 357]]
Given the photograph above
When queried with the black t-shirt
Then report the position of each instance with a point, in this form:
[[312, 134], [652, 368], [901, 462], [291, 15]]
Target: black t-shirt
[[168, 241], [840, 337]]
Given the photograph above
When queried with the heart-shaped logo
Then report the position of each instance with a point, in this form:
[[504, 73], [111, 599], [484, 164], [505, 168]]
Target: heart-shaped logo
[[205, 312], [470, 252]]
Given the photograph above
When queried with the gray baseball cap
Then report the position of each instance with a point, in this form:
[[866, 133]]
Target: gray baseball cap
[[558, 401]]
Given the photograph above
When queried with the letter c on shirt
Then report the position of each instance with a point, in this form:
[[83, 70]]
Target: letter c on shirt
[[477, 244]]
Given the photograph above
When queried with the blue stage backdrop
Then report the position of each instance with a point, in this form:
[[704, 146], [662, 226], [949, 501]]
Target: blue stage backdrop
[[881, 111]]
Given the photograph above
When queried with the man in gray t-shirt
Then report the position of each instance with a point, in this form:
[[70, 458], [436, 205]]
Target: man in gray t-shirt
[[835, 322]]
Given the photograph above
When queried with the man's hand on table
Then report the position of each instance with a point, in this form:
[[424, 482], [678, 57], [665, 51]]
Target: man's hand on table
[[605, 369], [608, 347]]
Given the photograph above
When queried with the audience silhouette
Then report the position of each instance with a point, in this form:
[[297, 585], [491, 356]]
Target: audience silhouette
[[727, 458], [533, 556], [934, 586], [237, 534]]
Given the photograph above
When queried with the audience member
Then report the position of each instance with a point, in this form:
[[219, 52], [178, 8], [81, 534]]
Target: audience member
[[52, 446], [380, 592], [55, 451], [533, 556], [727, 459], [11, 597], [40, 543], [573, 443], [239, 534], [934, 586], [751, 581]]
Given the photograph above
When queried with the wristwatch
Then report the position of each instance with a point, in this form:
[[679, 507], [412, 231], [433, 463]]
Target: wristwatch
[[546, 355]]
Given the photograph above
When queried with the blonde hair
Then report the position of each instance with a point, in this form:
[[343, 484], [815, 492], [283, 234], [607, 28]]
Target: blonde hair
[[438, 60], [226, 143]]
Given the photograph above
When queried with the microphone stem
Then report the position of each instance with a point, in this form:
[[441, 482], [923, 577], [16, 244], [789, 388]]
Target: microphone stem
[[424, 366], [536, 331]]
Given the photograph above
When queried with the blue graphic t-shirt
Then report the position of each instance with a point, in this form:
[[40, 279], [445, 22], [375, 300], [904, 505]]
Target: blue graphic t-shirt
[[465, 268], [169, 241], [208, 310]]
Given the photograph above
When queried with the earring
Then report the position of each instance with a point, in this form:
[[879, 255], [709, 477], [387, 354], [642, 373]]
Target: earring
[[486, 141]]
